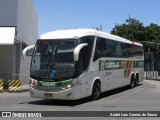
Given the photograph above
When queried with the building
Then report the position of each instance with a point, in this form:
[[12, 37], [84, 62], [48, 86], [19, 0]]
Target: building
[[18, 29]]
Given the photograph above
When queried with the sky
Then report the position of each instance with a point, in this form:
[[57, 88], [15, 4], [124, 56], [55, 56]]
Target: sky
[[71, 14]]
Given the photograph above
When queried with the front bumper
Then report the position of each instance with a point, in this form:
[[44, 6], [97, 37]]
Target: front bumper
[[67, 94]]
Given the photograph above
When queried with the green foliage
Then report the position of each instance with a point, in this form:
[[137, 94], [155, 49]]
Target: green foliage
[[135, 30], [153, 33]]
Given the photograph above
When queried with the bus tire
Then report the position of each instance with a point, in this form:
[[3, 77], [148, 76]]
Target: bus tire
[[137, 80], [132, 82], [96, 91]]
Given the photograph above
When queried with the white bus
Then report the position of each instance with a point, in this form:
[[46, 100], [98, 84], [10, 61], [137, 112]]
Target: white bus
[[77, 63]]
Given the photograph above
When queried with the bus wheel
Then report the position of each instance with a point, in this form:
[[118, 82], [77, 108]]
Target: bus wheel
[[137, 80], [96, 91], [132, 83]]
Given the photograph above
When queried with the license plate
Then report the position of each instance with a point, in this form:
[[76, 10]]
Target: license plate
[[48, 84], [48, 95]]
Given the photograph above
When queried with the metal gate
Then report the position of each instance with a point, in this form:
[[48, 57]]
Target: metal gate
[[152, 66]]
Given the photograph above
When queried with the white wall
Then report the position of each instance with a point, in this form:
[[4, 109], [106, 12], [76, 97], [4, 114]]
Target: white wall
[[27, 22], [22, 15], [8, 12]]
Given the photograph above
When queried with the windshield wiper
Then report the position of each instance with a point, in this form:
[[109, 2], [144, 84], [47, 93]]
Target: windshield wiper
[[52, 53]]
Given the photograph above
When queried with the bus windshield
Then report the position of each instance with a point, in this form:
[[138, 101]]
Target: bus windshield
[[53, 55]]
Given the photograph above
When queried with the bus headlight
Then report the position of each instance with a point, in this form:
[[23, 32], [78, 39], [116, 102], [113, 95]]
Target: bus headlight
[[68, 86], [65, 84]]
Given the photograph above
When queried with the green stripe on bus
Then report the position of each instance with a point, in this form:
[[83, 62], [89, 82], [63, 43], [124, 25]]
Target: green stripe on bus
[[138, 64], [119, 64], [56, 84]]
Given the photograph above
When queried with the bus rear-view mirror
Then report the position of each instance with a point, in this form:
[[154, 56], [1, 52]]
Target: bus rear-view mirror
[[77, 51], [25, 51]]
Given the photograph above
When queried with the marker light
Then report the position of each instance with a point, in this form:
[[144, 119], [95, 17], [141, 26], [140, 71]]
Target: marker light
[[34, 82]]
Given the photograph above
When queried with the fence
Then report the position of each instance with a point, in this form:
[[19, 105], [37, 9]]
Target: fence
[[152, 69]]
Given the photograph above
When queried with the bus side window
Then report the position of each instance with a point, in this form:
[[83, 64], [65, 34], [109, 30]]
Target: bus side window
[[118, 49], [126, 48], [100, 50], [110, 48], [137, 51]]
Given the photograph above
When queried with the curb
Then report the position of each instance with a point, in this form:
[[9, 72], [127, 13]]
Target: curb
[[153, 79], [24, 88]]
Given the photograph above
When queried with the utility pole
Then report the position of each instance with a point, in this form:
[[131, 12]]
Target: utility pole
[[100, 27]]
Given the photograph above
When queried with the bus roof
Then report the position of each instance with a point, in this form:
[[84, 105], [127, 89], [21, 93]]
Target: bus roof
[[76, 33]]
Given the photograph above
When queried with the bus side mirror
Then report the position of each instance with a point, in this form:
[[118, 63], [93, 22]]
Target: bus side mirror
[[77, 50], [25, 51]]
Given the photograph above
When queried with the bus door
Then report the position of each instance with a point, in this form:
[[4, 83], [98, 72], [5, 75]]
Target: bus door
[[81, 66]]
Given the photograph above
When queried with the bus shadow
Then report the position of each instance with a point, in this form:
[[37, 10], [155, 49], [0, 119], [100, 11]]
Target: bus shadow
[[72, 103], [116, 91], [51, 102]]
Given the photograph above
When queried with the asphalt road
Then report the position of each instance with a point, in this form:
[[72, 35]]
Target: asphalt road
[[144, 97]]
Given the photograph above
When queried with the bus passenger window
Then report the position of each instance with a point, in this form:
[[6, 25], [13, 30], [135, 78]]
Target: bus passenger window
[[100, 50]]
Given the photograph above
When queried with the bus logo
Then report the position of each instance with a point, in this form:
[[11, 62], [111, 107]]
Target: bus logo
[[109, 65]]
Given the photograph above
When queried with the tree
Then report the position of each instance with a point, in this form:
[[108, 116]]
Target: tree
[[132, 30], [153, 33]]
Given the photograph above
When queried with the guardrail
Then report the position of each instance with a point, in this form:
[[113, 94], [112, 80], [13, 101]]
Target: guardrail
[[152, 75], [152, 69]]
